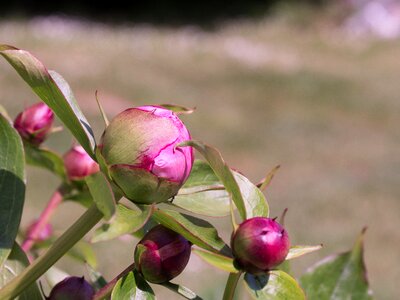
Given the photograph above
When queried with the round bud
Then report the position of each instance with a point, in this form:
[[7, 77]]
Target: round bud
[[259, 244], [34, 123], [72, 288], [162, 254], [139, 147], [79, 164]]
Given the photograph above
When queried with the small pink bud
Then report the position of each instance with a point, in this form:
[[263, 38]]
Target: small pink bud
[[139, 146], [79, 164], [162, 254], [44, 234], [259, 244], [34, 123], [72, 288]]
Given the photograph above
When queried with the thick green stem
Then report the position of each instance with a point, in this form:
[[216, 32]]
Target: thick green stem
[[65, 242], [231, 286]]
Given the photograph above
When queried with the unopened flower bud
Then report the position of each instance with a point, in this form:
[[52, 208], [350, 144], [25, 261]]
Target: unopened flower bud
[[43, 235], [139, 146], [72, 288], [34, 123], [259, 244], [162, 254], [79, 164]]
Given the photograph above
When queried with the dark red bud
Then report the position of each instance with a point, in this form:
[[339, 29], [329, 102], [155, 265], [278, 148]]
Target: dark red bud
[[34, 123], [72, 288], [162, 254], [259, 244]]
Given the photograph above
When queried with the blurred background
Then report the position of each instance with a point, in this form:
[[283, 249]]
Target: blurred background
[[310, 85]]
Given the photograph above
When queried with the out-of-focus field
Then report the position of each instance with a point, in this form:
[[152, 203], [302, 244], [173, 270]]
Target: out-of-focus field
[[322, 105]]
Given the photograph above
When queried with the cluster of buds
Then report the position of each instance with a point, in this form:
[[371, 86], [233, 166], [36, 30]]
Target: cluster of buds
[[259, 244], [140, 148], [34, 123]]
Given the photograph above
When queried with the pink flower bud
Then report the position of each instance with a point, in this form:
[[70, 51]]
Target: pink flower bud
[[139, 146], [34, 123], [259, 244], [79, 164], [162, 254], [72, 288], [44, 234]]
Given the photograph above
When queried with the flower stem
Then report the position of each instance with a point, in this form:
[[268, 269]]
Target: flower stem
[[106, 290], [43, 219], [231, 286], [65, 242]]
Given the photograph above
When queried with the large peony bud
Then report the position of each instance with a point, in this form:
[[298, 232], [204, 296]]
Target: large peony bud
[[34, 123], [259, 244], [79, 164], [162, 254], [139, 146]]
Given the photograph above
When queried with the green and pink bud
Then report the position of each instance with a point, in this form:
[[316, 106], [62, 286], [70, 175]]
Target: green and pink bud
[[78, 164], [162, 254], [259, 244], [140, 148], [34, 123], [72, 288]]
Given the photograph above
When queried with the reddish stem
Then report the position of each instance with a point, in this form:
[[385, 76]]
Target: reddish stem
[[43, 220]]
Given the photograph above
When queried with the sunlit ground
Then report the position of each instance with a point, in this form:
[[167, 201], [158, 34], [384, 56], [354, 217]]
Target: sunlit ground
[[321, 104]]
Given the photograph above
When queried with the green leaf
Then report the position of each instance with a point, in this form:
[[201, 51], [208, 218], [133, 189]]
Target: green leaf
[[103, 195], [178, 109], [299, 250], [197, 231], [204, 194], [46, 159], [97, 280], [54, 91], [181, 290], [84, 253], [13, 266], [126, 221], [5, 114], [217, 260], [12, 186], [223, 172], [275, 285], [340, 276], [132, 286], [82, 197]]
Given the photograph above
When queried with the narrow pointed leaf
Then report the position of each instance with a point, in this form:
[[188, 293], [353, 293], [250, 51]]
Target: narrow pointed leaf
[[197, 231], [297, 251], [102, 193], [12, 186], [275, 285], [132, 286], [222, 262], [223, 172], [267, 180], [54, 91], [46, 159], [341, 276], [12, 267], [126, 221], [178, 109], [204, 194], [181, 290], [5, 114], [97, 280]]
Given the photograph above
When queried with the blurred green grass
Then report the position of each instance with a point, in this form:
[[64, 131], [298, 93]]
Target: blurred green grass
[[322, 105]]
